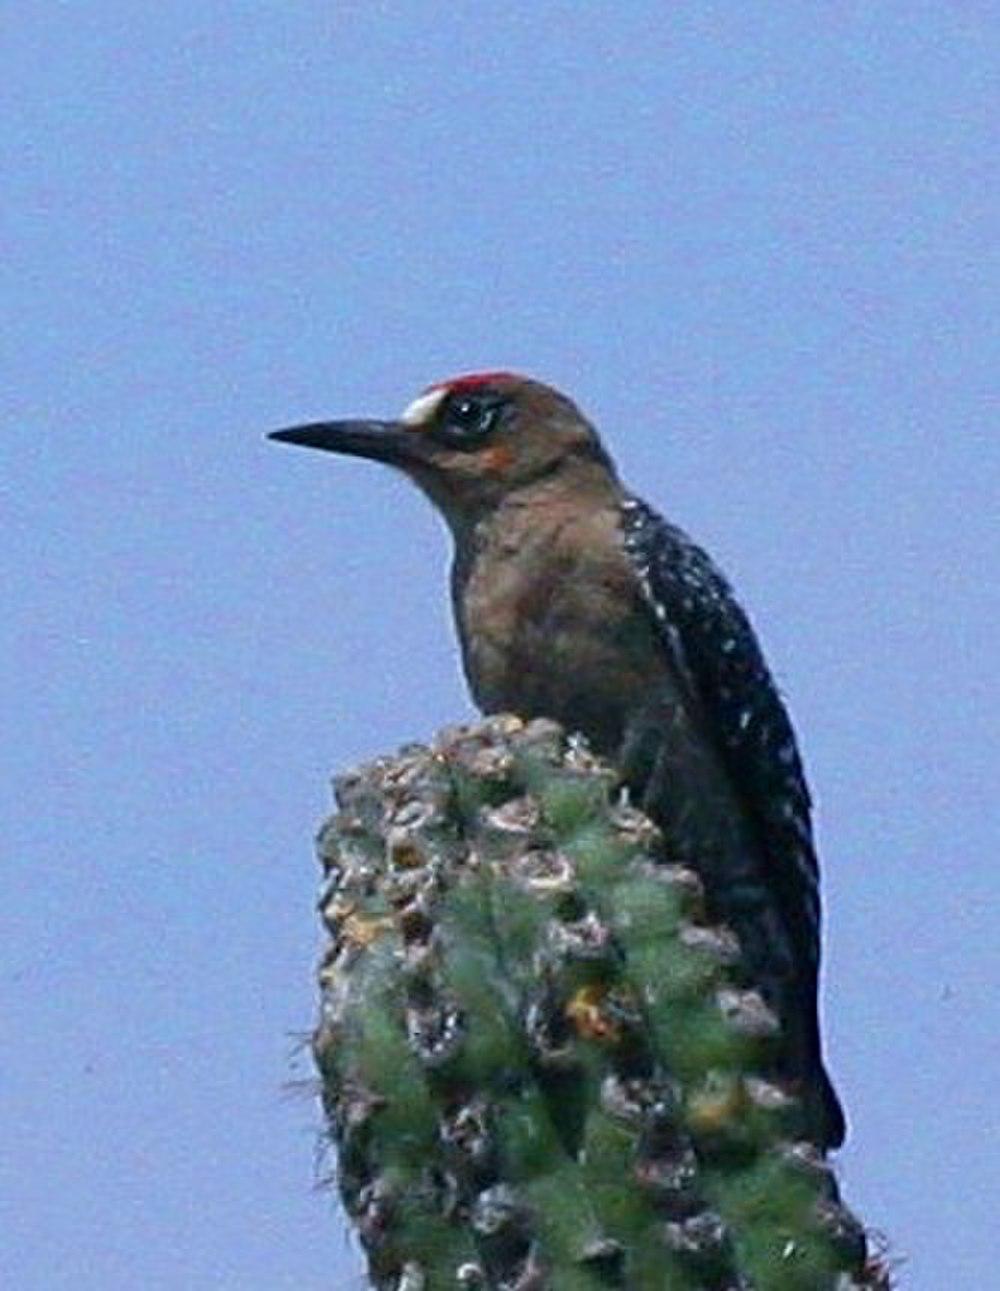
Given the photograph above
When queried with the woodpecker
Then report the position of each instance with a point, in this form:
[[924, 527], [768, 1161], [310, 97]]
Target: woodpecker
[[575, 600]]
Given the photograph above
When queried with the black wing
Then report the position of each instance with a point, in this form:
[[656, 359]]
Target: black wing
[[715, 648]]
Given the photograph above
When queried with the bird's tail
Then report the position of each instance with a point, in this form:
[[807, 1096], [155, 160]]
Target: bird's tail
[[824, 1113], [824, 1110]]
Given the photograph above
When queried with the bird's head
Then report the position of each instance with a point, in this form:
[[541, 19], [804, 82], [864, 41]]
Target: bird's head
[[471, 441]]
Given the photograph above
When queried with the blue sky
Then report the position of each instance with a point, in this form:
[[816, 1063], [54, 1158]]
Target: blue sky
[[757, 243]]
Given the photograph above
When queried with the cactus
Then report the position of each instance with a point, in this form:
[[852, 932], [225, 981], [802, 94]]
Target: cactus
[[538, 1066]]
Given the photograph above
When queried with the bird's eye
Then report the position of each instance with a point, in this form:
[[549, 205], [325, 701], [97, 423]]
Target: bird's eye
[[469, 418]]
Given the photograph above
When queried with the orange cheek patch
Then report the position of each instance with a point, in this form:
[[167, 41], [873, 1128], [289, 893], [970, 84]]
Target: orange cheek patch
[[497, 460]]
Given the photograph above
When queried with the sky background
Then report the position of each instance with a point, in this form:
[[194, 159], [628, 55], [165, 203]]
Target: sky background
[[758, 244]]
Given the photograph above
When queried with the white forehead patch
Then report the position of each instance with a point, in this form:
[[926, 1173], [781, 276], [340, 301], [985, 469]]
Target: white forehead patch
[[423, 408]]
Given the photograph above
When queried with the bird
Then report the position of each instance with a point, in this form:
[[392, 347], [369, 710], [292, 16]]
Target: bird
[[575, 600]]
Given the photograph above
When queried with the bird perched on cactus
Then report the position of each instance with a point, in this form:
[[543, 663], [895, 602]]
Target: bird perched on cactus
[[575, 601]]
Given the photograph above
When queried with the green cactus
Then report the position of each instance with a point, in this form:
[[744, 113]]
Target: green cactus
[[538, 1068]]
